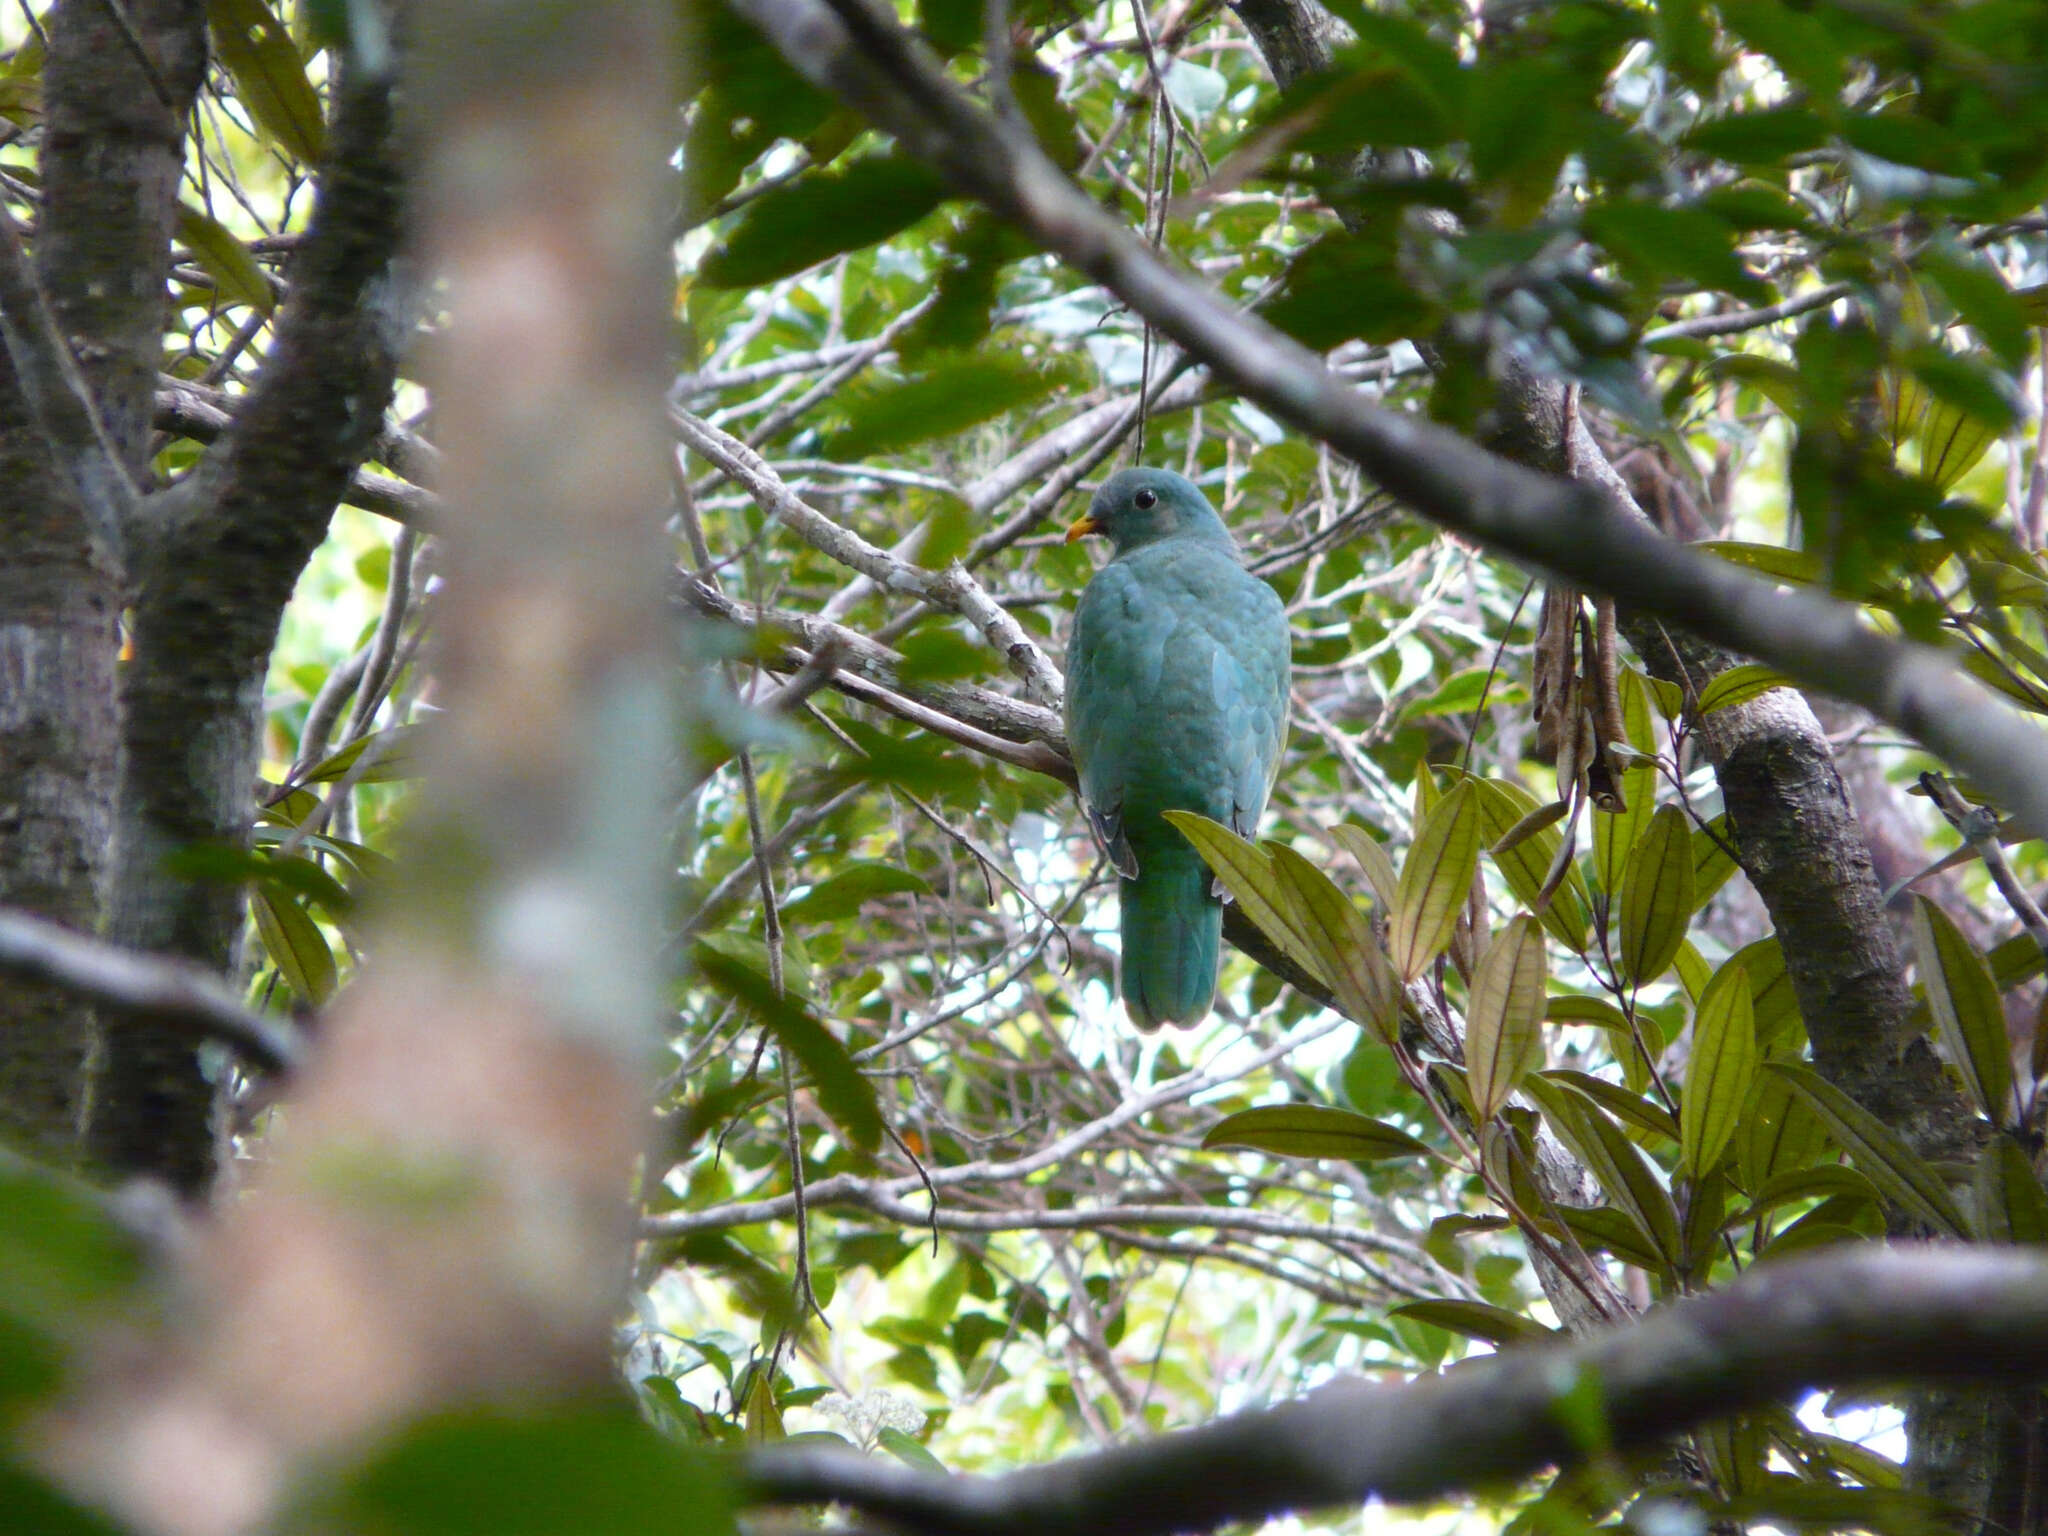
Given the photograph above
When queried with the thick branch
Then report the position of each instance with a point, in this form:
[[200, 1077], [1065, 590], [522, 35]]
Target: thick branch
[[166, 991], [1853, 1316], [1562, 529]]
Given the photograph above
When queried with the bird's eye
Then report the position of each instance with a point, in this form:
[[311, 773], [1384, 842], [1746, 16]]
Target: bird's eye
[[1146, 500]]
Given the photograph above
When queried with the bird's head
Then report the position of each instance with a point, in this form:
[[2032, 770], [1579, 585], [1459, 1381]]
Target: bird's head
[[1136, 507]]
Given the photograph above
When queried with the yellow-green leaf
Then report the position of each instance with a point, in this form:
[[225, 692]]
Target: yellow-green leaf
[[1614, 1160], [1738, 685], [1313, 1130], [1247, 873], [1504, 1019], [225, 259], [1476, 1320], [2011, 1206], [1721, 1071], [1436, 878], [1951, 442], [1526, 865], [1346, 952], [1644, 1114], [295, 944], [1966, 1007], [1895, 1168], [1372, 857], [1615, 832], [256, 48], [1656, 896]]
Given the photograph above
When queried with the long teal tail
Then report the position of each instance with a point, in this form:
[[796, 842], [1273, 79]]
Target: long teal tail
[[1173, 932]]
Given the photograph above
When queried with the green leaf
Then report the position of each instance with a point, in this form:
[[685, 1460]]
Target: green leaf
[[849, 890], [1721, 1071], [1644, 1114], [1526, 864], [1895, 1168], [843, 1093], [1477, 1320], [1793, 565], [1347, 954], [256, 48], [910, 1452], [1622, 1170], [1372, 857], [1780, 1135], [2009, 1204], [1247, 873], [1615, 832], [1656, 897], [1770, 989], [1712, 862], [295, 945], [1981, 297], [1346, 287], [1758, 138], [1738, 685], [1436, 879], [953, 394], [1654, 242], [394, 755], [225, 259], [485, 1472], [1504, 1019], [1966, 1007], [1313, 1130], [822, 215]]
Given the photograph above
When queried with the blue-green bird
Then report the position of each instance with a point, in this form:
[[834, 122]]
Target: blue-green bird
[[1176, 701]]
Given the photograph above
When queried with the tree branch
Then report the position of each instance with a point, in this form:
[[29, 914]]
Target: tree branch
[[1853, 1316], [1563, 529], [57, 396], [166, 991], [952, 589]]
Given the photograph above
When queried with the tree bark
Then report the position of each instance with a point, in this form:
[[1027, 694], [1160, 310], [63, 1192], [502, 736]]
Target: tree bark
[[205, 620], [111, 158]]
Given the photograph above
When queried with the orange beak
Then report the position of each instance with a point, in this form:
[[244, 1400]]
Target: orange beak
[[1081, 527]]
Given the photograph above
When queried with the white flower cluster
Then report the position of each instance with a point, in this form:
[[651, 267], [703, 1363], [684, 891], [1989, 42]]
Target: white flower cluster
[[870, 1413]]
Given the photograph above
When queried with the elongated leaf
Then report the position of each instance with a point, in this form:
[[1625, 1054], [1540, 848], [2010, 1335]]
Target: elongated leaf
[[1476, 1320], [1966, 1007], [854, 886], [1951, 441], [1313, 1130], [1721, 1072], [1247, 873], [1346, 951], [1543, 816], [295, 944], [1656, 896], [1712, 864], [842, 1092], [225, 259], [2010, 1205], [1779, 1136], [1504, 1019], [1622, 1170], [1526, 865], [1644, 1114], [1435, 880], [957, 392], [1895, 1168], [255, 47], [1372, 857], [1607, 1229], [1770, 990], [1615, 832], [1825, 1181], [1738, 685], [1573, 1008], [820, 216], [1794, 565]]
